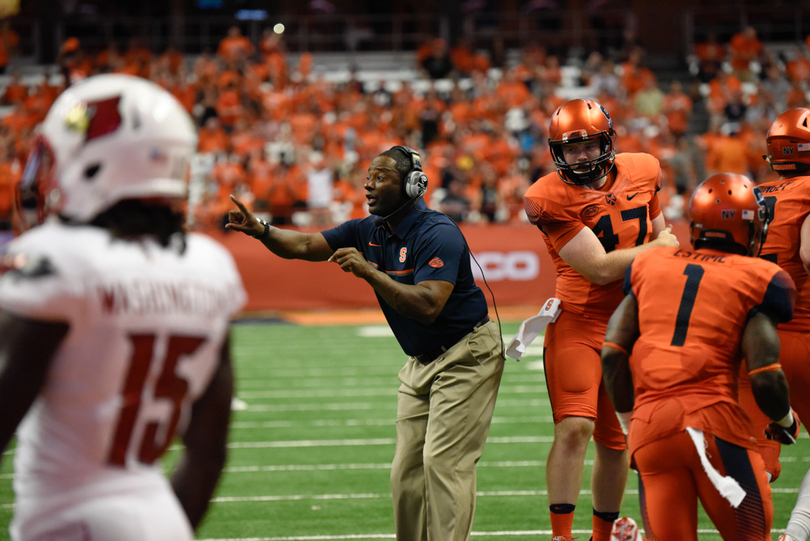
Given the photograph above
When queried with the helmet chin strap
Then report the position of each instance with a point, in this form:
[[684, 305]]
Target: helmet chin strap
[[586, 176]]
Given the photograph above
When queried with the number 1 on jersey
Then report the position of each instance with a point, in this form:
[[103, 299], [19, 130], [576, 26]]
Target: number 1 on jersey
[[694, 274]]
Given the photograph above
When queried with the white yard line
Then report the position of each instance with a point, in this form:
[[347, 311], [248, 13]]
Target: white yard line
[[356, 537], [348, 406], [388, 421], [365, 442], [388, 390]]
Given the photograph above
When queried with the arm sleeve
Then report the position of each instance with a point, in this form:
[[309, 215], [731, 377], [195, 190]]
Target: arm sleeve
[[779, 298], [440, 254], [342, 236], [38, 288], [556, 225], [627, 287], [655, 206]]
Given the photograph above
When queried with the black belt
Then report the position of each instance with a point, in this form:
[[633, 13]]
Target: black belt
[[430, 356]]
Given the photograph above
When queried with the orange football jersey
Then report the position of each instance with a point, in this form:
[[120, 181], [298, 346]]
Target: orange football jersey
[[788, 203], [692, 309], [620, 214]]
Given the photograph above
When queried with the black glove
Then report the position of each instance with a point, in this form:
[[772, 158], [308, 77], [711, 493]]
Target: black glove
[[784, 435]]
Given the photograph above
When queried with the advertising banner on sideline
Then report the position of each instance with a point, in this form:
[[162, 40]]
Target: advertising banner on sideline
[[512, 258]]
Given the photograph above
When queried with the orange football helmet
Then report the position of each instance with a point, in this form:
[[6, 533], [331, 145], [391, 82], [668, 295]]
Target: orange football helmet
[[729, 208], [788, 141], [573, 122]]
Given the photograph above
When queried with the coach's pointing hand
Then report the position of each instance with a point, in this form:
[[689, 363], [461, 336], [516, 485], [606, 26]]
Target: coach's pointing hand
[[242, 220]]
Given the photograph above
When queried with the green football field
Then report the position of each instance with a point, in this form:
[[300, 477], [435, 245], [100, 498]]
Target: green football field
[[313, 436]]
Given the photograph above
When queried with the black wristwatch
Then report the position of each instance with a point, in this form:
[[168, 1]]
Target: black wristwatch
[[264, 233]]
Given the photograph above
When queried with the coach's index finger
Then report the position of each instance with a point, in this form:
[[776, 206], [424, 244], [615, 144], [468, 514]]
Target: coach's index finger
[[239, 204]]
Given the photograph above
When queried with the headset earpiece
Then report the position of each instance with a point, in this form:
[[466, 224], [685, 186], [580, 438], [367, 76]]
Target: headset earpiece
[[414, 185]]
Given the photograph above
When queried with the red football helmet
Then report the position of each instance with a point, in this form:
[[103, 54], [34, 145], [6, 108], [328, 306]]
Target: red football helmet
[[729, 208], [573, 122], [789, 141]]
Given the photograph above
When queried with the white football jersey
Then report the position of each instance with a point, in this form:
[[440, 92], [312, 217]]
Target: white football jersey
[[147, 325]]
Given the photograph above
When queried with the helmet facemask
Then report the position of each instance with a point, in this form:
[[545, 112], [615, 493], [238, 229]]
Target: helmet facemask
[[587, 172], [576, 121]]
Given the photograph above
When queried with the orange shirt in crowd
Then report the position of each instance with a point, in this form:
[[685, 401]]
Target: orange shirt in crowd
[[634, 78], [344, 191], [305, 62], [513, 92], [743, 48], [244, 140], [720, 89], [186, 94], [798, 69], [8, 40], [16, 92], [10, 174], [212, 138], [677, 109], [304, 126], [500, 153], [206, 68], [289, 187], [796, 96], [234, 48], [18, 119], [728, 154], [229, 107], [710, 52], [260, 177], [276, 103]]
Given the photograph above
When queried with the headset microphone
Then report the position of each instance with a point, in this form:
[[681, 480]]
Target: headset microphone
[[380, 220]]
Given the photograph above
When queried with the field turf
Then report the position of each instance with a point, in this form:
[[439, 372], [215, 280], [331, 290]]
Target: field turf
[[313, 436]]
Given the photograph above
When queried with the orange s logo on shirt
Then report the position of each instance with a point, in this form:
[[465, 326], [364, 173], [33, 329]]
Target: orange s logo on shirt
[[402, 253]]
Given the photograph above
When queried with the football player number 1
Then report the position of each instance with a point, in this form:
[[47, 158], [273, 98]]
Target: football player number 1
[[694, 274], [169, 386]]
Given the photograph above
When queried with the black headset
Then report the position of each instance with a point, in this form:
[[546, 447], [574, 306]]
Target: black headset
[[414, 185]]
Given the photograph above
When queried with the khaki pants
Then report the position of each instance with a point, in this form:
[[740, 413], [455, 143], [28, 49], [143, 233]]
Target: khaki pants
[[444, 410]]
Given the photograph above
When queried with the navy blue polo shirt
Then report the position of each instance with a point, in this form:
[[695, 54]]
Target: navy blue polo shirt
[[427, 245]]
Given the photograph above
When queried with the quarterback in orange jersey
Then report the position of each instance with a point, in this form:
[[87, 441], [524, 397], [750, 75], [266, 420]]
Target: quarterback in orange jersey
[[788, 245], [671, 361], [596, 213]]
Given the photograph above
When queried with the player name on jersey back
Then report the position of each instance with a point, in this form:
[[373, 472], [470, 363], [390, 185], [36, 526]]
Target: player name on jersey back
[[158, 297]]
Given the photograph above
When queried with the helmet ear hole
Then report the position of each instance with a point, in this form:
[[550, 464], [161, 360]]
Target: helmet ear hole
[[92, 171]]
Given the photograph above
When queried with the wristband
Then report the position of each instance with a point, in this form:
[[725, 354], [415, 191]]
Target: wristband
[[264, 233], [788, 420], [770, 368], [615, 346]]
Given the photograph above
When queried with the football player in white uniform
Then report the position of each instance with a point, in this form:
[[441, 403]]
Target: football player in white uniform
[[114, 326]]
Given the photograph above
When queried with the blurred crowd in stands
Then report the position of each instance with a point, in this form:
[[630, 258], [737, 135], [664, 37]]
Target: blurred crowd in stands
[[296, 145]]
